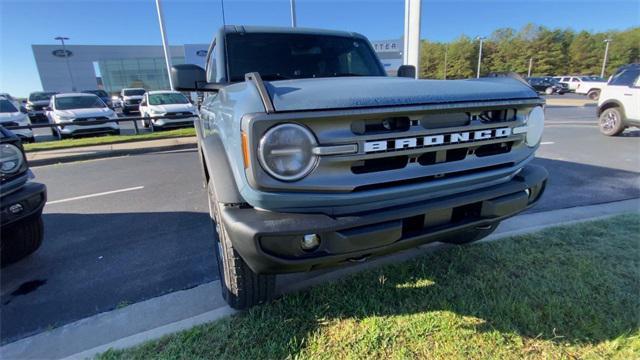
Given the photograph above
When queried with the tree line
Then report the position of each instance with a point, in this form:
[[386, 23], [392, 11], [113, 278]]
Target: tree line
[[551, 52]]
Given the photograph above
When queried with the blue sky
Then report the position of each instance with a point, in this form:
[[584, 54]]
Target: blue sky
[[26, 22]]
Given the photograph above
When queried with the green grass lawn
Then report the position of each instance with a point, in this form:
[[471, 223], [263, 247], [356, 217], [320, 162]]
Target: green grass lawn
[[108, 139], [564, 293]]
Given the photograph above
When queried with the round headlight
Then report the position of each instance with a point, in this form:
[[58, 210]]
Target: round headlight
[[286, 152], [11, 159], [535, 126]]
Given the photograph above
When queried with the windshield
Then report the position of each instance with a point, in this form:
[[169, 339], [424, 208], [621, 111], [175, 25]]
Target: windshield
[[100, 93], [167, 98], [41, 96], [133, 92], [295, 56], [7, 107], [78, 102]]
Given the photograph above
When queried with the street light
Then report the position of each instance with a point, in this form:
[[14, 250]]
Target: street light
[[481, 38], [606, 53], [66, 58], [165, 47], [293, 14]]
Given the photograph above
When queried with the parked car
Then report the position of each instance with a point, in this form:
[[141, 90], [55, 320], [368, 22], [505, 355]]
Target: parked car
[[71, 112], [13, 100], [130, 99], [619, 103], [21, 202], [315, 157], [166, 103], [102, 95], [36, 104], [544, 86], [12, 116], [591, 86]]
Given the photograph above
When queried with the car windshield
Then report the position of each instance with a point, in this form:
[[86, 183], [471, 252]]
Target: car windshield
[[133, 92], [78, 102], [100, 93], [295, 56], [41, 96], [7, 107], [167, 98]]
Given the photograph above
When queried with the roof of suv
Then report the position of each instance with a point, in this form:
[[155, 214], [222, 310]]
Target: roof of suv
[[286, 30]]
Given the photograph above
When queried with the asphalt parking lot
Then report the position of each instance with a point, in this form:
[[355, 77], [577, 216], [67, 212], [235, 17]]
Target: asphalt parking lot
[[126, 229]]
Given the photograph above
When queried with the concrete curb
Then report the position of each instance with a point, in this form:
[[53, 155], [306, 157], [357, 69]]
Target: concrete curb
[[151, 319], [111, 150]]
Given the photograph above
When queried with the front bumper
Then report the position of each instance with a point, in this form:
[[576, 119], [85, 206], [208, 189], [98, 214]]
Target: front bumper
[[30, 198], [269, 242], [167, 123], [88, 129]]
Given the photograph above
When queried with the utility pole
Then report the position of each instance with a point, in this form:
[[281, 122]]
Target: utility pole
[[165, 46], [481, 38], [66, 58], [446, 50], [412, 15], [530, 65], [606, 53], [294, 21]]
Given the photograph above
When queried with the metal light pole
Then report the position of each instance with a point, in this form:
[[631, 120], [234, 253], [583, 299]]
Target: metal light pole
[[66, 58], [165, 47], [294, 21], [606, 53], [412, 17], [481, 38], [446, 50], [530, 66]]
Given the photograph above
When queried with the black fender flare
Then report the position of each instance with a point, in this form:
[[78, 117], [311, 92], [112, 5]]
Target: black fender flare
[[218, 170], [611, 103]]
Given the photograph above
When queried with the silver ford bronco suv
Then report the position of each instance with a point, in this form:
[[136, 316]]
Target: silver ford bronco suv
[[314, 157]]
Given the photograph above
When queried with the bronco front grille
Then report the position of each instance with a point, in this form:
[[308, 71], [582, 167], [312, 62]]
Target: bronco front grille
[[400, 146]]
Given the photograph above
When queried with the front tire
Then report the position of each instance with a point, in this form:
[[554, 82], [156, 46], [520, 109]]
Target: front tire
[[21, 239], [548, 91], [473, 235], [593, 94], [241, 287], [611, 122]]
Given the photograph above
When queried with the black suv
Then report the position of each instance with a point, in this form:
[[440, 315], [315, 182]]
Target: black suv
[[21, 202], [546, 86]]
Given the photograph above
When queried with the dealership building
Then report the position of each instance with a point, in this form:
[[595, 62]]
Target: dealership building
[[113, 67]]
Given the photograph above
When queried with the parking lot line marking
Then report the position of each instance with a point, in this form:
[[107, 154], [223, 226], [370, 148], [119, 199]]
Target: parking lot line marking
[[94, 195], [547, 143]]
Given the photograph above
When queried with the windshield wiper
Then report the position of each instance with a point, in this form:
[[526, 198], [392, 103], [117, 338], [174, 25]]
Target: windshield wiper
[[346, 74], [274, 77]]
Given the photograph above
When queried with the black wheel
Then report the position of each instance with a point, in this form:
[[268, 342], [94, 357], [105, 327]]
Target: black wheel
[[146, 122], [21, 239], [241, 287], [470, 236], [549, 90], [593, 94], [611, 122], [115, 132]]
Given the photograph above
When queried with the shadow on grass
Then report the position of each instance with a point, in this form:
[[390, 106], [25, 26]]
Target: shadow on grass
[[572, 286]]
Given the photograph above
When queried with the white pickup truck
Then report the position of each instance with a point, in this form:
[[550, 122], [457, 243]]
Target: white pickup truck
[[591, 86]]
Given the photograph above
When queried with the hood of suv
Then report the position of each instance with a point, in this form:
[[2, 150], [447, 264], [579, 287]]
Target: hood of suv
[[356, 92], [83, 113], [173, 108]]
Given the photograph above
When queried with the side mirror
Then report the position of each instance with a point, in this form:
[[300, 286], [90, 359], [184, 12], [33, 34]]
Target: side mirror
[[408, 71], [190, 77]]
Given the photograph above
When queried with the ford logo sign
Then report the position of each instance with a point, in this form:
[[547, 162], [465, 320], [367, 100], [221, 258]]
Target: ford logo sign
[[62, 53], [202, 53]]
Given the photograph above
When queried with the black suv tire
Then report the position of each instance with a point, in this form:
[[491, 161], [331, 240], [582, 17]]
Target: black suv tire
[[21, 239], [241, 287], [593, 94], [611, 121], [470, 236]]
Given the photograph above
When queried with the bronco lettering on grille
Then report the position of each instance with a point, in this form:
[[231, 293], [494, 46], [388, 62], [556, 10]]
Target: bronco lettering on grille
[[435, 140]]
